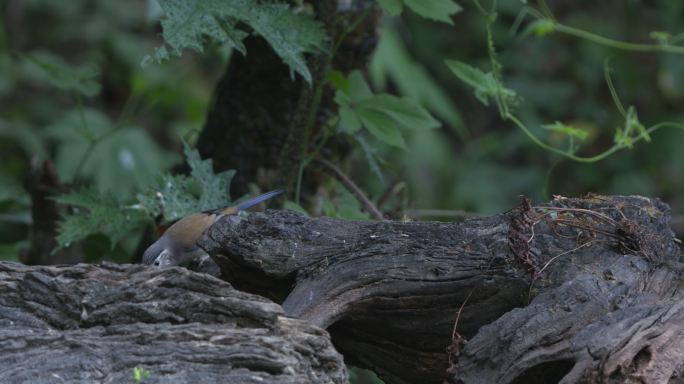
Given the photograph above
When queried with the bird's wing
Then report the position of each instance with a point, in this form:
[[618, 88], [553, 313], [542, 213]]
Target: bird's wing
[[188, 230]]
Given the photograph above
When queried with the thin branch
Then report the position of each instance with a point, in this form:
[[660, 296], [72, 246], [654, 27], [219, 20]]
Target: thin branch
[[390, 191], [352, 188], [450, 213]]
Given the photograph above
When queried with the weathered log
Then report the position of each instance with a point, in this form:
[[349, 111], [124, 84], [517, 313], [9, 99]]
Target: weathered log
[[579, 290], [96, 324]]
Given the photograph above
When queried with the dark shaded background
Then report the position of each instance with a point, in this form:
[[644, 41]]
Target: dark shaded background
[[475, 163]]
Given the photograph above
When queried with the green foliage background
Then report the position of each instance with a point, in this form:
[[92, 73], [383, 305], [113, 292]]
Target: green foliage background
[[72, 89], [81, 68]]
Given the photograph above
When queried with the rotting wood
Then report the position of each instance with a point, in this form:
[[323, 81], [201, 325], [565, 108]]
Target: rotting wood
[[96, 324], [592, 294]]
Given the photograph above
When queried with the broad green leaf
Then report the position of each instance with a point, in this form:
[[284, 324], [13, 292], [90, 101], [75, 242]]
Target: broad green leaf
[[25, 137], [393, 7], [189, 22], [392, 60], [440, 10], [62, 76], [382, 115], [350, 120], [382, 126], [404, 111], [75, 132], [358, 87], [119, 160], [371, 157]]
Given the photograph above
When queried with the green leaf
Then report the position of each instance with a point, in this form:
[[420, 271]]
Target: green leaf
[[189, 22], [289, 34], [440, 10], [382, 115], [631, 131], [393, 7], [404, 111], [392, 60], [382, 126], [120, 161], [350, 120], [567, 130], [540, 28], [26, 137], [103, 214], [213, 187], [339, 81], [358, 87], [177, 196], [62, 76], [485, 84], [371, 157]]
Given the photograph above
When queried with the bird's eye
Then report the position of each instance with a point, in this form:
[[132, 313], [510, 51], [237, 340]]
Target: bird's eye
[[156, 263]]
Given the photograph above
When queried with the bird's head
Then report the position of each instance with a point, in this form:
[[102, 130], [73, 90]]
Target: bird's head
[[158, 254]]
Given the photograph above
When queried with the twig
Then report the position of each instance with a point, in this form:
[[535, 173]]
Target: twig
[[458, 314], [353, 188], [564, 253], [389, 192], [450, 213], [603, 217]]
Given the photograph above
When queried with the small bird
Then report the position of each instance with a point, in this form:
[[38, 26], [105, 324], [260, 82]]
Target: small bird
[[177, 246]]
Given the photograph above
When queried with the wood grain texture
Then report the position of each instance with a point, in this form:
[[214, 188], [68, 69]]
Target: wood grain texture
[[95, 324], [561, 291]]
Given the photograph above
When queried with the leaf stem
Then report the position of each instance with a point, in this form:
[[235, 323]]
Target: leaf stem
[[617, 44]]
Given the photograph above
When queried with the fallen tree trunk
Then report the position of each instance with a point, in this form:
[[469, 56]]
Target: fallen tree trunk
[[579, 290], [98, 324]]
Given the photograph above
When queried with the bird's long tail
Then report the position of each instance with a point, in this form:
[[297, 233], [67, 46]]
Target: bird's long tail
[[252, 202]]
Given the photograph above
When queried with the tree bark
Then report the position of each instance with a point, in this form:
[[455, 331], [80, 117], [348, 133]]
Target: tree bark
[[578, 290], [574, 291], [96, 324], [261, 113]]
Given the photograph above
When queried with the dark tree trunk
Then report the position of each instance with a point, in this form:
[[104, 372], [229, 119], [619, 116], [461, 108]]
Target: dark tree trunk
[[42, 184], [579, 290], [262, 117], [96, 324]]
